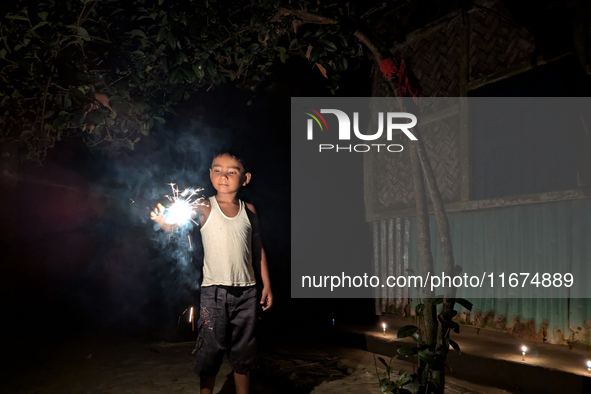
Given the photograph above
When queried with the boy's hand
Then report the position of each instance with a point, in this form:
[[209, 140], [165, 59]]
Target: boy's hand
[[267, 298], [157, 215]]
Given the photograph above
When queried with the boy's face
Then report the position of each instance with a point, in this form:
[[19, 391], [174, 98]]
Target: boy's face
[[227, 174]]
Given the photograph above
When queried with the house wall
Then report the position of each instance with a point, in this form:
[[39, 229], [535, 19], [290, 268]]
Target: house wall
[[527, 238], [460, 53]]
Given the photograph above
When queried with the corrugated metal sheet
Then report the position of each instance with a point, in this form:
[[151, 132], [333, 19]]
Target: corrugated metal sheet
[[531, 238]]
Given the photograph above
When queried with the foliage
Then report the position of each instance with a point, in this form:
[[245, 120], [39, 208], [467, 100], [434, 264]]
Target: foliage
[[386, 383], [108, 71], [431, 357]]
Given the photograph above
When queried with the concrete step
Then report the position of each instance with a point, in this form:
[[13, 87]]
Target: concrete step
[[488, 358]]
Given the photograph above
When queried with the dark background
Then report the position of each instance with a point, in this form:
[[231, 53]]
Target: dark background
[[80, 258]]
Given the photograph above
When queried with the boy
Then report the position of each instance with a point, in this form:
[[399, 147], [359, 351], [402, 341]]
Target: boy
[[231, 244]]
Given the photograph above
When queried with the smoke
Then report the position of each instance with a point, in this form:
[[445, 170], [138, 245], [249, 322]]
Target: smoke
[[144, 270]]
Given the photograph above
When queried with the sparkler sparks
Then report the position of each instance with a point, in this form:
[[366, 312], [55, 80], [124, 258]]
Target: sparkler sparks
[[182, 209]]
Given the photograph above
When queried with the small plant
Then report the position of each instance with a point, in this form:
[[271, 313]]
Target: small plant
[[397, 386], [431, 357]]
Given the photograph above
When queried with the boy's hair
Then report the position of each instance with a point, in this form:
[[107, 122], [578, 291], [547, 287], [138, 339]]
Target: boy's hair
[[233, 154]]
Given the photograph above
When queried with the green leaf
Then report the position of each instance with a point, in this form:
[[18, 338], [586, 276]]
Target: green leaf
[[455, 326], [161, 34], [159, 119], [83, 33], [137, 32], [392, 359], [465, 303], [387, 387], [188, 75], [175, 76], [426, 356], [17, 17], [383, 361], [329, 45], [48, 114], [26, 133], [341, 63], [455, 346], [2, 53], [256, 18], [42, 15], [417, 337], [316, 51], [39, 25], [198, 72], [407, 331]]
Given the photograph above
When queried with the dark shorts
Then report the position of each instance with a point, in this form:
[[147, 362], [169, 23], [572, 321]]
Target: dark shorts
[[226, 325]]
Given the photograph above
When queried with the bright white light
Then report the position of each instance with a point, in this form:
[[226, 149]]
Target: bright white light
[[179, 213], [384, 326], [589, 365], [523, 349]]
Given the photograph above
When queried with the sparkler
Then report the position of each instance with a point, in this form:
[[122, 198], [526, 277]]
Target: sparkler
[[384, 328], [589, 366], [183, 206], [523, 349]]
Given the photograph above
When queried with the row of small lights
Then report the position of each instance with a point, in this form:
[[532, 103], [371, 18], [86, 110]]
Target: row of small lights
[[523, 348]]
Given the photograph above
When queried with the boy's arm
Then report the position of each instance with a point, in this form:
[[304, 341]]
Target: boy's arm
[[260, 259]]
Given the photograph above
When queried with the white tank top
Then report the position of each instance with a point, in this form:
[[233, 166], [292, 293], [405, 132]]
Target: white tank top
[[227, 248]]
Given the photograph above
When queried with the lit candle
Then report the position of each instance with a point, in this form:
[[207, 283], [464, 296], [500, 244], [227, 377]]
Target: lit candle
[[191, 320], [523, 349], [384, 328], [589, 366]]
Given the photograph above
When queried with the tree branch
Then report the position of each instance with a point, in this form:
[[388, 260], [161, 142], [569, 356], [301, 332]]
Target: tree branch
[[82, 19], [305, 16], [44, 101]]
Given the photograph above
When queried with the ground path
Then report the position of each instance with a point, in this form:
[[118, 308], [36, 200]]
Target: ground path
[[92, 367]]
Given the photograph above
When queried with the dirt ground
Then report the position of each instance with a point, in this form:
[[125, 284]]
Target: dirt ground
[[132, 367]]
